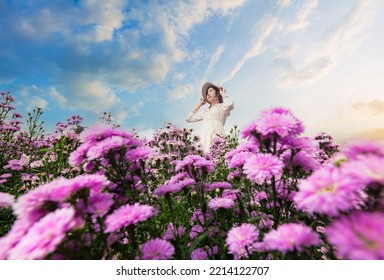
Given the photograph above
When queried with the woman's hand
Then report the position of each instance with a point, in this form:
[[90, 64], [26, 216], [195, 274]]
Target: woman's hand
[[223, 92], [202, 101]]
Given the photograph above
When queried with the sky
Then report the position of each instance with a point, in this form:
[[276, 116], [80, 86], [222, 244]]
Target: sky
[[146, 61]]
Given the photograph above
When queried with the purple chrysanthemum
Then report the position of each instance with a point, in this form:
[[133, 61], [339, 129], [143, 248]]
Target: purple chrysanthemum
[[358, 236], [328, 191], [218, 202], [157, 249], [128, 215], [172, 233], [262, 167], [44, 236], [290, 237], [240, 240], [199, 254]]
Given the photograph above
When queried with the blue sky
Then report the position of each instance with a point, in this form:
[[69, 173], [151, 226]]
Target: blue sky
[[145, 61]]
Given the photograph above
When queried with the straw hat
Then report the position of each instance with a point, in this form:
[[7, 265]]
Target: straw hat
[[205, 88]]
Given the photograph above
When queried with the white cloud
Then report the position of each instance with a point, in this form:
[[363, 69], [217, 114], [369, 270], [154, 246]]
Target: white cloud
[[37, 102], [181, 92], [59, 98], [301, 20], [133, 111], [327, 54], [284, 3], [107, 16], [89, 93], [266, 27], [214, 59]]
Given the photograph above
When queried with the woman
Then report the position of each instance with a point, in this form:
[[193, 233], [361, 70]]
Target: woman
[[213, 117]]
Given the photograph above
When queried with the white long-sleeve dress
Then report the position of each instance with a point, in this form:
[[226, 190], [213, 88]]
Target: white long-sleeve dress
[[213, 121]]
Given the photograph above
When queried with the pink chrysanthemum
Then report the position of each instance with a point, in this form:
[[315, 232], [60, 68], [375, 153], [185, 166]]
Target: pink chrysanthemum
[[280, 121], [44, 236], [172, 233], [218, 202], [359, 236], [217, 185], [241, 239], [166, 189], [157, 249], [196, 161], [368, 169], [101, 148], [361, 148], [99, 204], [328, 191], [290, 237], [128, 215], [79, 155], [262, 167], [199, 254], [101, 131], [139, 154], [6, 200], [31, 205], [239, 159]]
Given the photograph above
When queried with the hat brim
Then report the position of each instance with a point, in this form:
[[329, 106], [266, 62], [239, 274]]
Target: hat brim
[[206, 86]]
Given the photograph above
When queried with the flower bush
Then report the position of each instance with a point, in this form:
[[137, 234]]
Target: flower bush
[[265, 192]]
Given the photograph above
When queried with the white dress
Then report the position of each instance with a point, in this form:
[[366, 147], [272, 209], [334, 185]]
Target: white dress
[[213, 121]]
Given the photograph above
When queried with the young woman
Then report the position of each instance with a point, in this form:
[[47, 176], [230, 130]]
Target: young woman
[[213, 117]]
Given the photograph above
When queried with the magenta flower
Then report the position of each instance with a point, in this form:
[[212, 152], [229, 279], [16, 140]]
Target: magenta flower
[[172, 233], [359, 236], [218, 202], [6, 200], [199, 254], [290, 237], [359, 148], [280, 121], [139, 154], [157, 249], [217, 185], [17, 231], [31, 205], [167, 189], [79, 155], [368, 169], [100, 131], [239, 159], [99, 204], [128, 215], [44, 236], [262, 167], [241, 239], [196, 161], [249, 131], [195, 231], [328, 191], [101, 148]]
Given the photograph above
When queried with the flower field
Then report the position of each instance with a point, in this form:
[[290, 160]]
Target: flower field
[[263, 193]]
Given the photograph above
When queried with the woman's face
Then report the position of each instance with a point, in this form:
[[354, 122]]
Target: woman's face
[[211, 95]]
